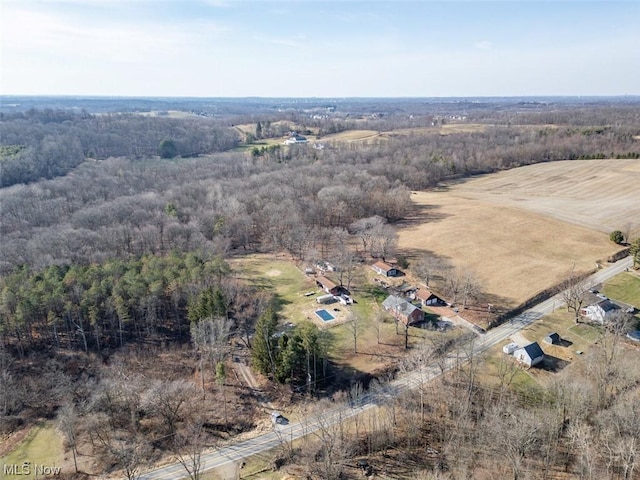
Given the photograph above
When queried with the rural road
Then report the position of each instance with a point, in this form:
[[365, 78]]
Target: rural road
[[241, 450]]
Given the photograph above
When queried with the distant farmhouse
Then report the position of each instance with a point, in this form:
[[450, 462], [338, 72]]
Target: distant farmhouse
[[295, 139], [403, 311], [385, 269], [600, 312], [530, 354], [427, 297]]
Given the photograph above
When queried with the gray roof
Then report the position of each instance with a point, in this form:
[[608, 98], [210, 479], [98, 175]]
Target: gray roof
[[533, 350], [399, 305], [607, 306]]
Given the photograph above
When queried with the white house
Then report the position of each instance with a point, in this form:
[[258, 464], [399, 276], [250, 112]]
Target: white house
[[600, 311], [295, 139], [530, 354], [385, 269]]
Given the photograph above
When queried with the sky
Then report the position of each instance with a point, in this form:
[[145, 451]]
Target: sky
[[318, 48]]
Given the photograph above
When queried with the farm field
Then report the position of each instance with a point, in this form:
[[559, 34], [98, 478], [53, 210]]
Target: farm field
[[602, 195], [522, 230]]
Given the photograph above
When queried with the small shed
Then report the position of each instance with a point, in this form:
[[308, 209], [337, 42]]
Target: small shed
[[509, 348], [324, 299], [530, 354], [427, 297], [345, 299], [552, 339], [327, 285]]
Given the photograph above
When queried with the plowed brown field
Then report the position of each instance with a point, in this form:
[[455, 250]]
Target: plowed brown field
[[521, 230]]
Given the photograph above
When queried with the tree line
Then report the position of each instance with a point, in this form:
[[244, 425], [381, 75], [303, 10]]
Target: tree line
[[107, 305], [287, 199], [54, 142]]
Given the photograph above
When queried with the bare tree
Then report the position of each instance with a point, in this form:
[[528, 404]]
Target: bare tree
[[378, 320], [573, 290], [171, 401], [189, 445], [384, 241], [68, 425], [128, 455], [515, 434], [582, 439], [470, 287], [354, 325], [366, 229], [429, 267], [211, 338]]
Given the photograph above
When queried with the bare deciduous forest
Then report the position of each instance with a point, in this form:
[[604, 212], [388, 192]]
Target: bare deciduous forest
[[117, 230]]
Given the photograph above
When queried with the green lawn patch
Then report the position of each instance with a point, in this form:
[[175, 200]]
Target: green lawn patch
[[281, 278], [624, 287], [588, 332], [42, 446]]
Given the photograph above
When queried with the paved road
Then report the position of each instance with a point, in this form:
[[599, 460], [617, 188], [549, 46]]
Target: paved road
[[239, 451]]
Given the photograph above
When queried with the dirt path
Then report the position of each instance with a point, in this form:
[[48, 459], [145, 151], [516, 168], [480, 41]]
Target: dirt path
[[243, 371]]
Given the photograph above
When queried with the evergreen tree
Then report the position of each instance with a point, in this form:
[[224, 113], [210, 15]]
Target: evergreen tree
[[263, 352]]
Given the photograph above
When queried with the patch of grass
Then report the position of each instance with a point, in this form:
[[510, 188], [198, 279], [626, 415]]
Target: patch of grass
[[376, 293], [588, 332], [624, 287], [280, 277], [42, 446]]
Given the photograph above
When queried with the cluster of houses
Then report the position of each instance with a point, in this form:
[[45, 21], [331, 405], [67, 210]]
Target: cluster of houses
[[406, 306]]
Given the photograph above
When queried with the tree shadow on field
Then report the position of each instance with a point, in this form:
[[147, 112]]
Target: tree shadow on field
[[421, 214]]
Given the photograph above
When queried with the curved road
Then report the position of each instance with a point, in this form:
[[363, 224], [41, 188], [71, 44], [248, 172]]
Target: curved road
[[241, 450]]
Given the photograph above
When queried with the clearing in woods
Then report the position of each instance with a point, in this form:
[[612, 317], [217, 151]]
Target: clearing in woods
[[521, 230]]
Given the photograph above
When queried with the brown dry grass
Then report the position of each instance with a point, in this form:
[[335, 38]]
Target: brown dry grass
[[521, 230], [351, 136]]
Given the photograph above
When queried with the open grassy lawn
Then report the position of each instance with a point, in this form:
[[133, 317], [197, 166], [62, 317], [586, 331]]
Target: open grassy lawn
[[497, 367], [625, 288], [42, 446], [577, 337], [281, 277]]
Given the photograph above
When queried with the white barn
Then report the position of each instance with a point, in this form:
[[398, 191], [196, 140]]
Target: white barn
[[530, 354]]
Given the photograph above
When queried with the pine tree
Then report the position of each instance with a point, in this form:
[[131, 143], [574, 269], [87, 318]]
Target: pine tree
[[263, 352]]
